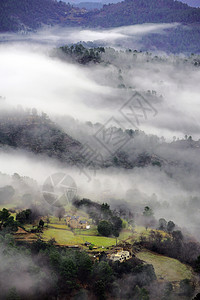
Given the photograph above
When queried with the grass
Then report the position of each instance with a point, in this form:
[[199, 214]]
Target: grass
[[91, 231], [58, 226], [55, 220], [141, 231], [62, 237], [28, 226], [125, 234], [166, 268], [67, 237], [100, 241]]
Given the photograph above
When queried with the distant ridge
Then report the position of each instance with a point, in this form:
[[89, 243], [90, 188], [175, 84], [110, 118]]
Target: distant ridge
[[194, 3], [28, 15], [131, 12]]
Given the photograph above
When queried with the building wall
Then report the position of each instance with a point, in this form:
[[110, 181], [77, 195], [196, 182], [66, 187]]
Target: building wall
[[120, 256]]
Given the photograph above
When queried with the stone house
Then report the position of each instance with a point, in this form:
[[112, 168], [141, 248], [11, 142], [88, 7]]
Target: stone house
[[120, 256], [75, 222]]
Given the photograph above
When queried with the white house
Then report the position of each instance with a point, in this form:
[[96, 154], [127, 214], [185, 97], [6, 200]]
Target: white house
[[120, 256]]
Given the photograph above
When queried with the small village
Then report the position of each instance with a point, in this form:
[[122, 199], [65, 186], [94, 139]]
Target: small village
[[74, 222]]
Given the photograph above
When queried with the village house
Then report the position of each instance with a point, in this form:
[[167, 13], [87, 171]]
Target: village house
[[75, 222], [120, 256]]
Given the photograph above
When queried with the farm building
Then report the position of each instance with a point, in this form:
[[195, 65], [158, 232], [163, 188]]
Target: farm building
[[75, 222], [120, 256]]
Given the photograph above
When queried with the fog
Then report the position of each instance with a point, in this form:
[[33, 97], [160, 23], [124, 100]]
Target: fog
[[170, 197], [92, 93], [51, 36], [16, 266], [33, 75]]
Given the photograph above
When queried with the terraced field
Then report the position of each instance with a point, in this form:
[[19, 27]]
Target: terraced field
[[166, 268]]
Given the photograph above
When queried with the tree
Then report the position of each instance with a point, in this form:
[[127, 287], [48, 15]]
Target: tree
[[84, 264], [103, 271], [116, 226], [167, 290], [162, 224], [11, 224], [197, 297], [105, 209], [7, 221], [100, 288], [4, 215], [47, 221], [24, 216], [141, 293], [13, 295], [197, 265], [170, 226], [177, 235], [148, 217], [186, 287], [105, 228], [41, 223], [69, 272], [148, 212], [60, 212]]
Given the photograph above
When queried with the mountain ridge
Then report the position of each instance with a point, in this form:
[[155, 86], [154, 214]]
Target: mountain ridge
[[28, 15]]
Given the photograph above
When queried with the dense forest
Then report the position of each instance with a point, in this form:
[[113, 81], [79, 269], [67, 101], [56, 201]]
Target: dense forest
[[136, 12], [27, 15], [38, 134]]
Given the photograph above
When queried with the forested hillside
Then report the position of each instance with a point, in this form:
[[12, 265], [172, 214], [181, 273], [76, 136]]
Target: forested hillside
[[37, 134], [144, 11], [28, 14]]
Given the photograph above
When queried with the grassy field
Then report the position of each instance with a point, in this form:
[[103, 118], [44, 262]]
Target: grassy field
[[91, 231], [55, 220], [166, 268], [63, 235], [67, 237], [58, 226], [99, 241]]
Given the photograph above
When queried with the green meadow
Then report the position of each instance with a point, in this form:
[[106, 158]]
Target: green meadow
[[166, 268]]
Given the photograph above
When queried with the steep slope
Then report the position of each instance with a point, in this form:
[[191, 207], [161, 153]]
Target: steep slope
[[39, 135]]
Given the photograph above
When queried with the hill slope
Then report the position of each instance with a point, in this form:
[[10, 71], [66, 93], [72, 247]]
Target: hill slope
[[166, 268], [131, 12], [39, 135], [28, 14]]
